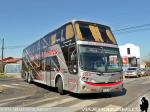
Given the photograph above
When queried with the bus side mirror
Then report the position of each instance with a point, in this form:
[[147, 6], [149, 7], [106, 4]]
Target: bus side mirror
[[74, 70]]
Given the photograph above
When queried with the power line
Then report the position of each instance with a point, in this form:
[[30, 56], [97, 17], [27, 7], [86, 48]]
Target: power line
[[132, 31], [132, 27]]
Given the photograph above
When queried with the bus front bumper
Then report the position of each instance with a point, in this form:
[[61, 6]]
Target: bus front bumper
[[88, 87]]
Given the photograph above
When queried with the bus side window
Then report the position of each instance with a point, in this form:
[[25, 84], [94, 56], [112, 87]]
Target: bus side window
[[69, 31], [42, 67], [58, 36], [111, 36], [53, 39], [72, 60], [47, 64], [63, 34], [55, 64]]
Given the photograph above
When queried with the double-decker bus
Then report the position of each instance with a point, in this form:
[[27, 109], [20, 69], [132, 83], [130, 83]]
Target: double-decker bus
[[80, 57]]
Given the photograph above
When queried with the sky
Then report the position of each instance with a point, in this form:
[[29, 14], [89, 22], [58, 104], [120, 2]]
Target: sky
[[24, 21]]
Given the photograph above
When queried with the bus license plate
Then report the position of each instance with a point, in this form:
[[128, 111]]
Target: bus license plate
[[106, 90]]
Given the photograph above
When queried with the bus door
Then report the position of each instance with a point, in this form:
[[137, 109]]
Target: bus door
[[55, 67], [47, 70], [72, 68], [46, 64], [42, 72], [51, 67]]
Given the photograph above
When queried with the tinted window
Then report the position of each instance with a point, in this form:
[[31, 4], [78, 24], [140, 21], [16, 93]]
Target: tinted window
[[86, 33], [128, 50], [54, 63], [94, 32], [63, 34], [58, 36], [48, 64], [72, 59], [69, 31], [104, 35]]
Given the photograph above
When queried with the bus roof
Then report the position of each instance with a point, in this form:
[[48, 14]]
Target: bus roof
[[73, 22]]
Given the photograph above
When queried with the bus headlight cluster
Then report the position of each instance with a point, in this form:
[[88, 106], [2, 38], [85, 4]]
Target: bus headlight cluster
[[87, 79], [120, 79]]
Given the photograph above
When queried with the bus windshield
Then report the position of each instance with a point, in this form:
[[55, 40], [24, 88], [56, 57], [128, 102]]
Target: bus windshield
[[94, 32], [100, 59]]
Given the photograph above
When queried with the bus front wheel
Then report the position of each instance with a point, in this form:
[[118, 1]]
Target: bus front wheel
[[60, 86]]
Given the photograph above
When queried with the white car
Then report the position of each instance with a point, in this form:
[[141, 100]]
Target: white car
[[132, 72], [143, 72]]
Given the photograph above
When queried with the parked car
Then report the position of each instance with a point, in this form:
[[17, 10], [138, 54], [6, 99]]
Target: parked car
[[148, 72], [142, 71], [132, 72]]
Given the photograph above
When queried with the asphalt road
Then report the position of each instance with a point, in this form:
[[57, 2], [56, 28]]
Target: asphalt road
[[17, 93]]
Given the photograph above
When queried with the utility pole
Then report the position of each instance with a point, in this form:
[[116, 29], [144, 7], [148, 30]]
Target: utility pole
[[2, 55]]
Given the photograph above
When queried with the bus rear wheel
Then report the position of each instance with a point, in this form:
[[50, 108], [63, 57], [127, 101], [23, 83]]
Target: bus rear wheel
[[60, 86]]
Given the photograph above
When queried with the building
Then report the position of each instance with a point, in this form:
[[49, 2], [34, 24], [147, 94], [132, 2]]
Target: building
[[145, 64], [130, 54], [12, 65], [11, 60]]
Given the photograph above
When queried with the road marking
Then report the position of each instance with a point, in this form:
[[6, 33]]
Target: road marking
[[128, 80], [20, 85], [16, 98], [15, 84], [144, 77], [9, 86], [52, 104], [146, 82], [40, 101]]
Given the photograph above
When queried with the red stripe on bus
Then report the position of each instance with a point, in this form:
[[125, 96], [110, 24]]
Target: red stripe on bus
[[104, 84]]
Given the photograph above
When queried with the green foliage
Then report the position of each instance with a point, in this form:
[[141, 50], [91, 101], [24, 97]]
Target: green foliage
[[2, 75]]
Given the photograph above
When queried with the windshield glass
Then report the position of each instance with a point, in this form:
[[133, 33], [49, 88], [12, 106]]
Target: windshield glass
[[100, 59], [94, 32]]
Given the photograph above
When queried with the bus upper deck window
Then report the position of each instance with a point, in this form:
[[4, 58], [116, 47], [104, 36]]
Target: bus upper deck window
[[69, 31], [110, 35], [96, 34], [63, 34], [53, 39], [79, 35]]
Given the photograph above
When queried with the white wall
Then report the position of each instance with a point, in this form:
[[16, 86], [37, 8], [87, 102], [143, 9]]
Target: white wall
[[134, 50]]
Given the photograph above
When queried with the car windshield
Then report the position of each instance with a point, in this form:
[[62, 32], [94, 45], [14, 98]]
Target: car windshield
[[100, 59], [143, 69]]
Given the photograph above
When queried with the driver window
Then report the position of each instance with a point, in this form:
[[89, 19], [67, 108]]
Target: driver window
[[72, 62]]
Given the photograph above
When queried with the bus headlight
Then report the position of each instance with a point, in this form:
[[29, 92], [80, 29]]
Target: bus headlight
[[93, 81], [120, 79], [87, 79]]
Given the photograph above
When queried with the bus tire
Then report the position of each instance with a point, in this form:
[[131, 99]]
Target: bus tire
[[60, 86], [29, 78], [26, 76]]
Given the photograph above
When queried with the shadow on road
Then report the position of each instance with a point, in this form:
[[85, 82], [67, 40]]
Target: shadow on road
[[98, 95], [85, 96]]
